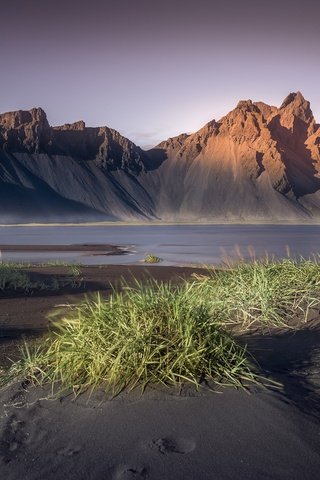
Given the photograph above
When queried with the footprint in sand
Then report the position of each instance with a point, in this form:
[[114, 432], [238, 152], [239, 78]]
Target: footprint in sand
[[13, 438], [169, 445], [130, 473], [68, 451]]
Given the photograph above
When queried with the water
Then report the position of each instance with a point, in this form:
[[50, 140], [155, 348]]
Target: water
[[175, 244]]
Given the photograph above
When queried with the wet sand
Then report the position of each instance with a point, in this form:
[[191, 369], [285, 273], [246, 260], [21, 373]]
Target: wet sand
[[163, 434], [85, 247]]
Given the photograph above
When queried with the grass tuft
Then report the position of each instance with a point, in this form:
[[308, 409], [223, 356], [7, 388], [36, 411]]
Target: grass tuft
[[146, 334], [160, 333], [13, 278], [149, 258], [263, 293]]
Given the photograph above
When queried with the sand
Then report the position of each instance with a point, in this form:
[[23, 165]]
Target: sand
[[30, 314], [93, 248], [229, 434]]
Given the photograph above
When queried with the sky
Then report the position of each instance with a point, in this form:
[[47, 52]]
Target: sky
[[154, 69]]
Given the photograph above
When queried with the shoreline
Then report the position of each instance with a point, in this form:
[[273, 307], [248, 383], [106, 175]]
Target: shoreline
[[102, 249], [160, 223]]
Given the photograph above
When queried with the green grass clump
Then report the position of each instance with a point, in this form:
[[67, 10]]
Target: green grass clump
[[75, 269], [149, 258], [263, 293], [147, 334], [159, 333], [13, 278]]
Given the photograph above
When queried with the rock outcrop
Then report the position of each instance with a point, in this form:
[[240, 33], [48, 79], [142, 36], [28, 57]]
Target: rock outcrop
[[24, 130]]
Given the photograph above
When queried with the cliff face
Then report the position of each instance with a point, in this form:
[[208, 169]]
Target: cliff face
[[29, 132], [24, 130], [259, 162], [68, 172]]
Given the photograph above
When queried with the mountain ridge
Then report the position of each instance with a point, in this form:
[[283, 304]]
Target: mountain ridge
[[258, 162]]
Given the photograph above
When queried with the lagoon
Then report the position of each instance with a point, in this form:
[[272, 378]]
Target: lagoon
[[175, 244]]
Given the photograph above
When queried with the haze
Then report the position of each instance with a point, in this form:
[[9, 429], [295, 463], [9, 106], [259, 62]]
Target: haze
[[155, 69]]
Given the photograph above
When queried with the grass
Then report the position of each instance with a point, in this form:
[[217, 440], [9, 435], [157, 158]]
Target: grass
[[160, 333], [150, 258], [263, 293], [147, 334], [13, 277], [49, 263]]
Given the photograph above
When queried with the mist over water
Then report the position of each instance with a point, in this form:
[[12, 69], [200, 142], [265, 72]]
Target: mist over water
[[175, 244]]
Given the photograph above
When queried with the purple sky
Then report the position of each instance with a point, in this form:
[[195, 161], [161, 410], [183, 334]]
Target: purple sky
[[153, 69]]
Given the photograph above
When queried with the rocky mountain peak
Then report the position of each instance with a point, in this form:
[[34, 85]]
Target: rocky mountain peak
[[246, 105], [243, 123], [75, 126], [267, 111], [13, 120], [295, 98], [243, 110], [295, 106], [24, 130]]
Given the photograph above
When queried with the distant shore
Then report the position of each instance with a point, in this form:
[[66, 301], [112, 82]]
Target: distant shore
[[157, 223]]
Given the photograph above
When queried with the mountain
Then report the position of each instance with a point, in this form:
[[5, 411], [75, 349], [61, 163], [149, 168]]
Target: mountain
[[259, 162], [69, 172]]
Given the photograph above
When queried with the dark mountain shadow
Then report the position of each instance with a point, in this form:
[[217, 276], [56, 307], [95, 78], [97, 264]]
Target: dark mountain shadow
[[105, 146], [39, 200], [259, 160], [20, 204], [76, 143], [139, 186], [293, 359], [300, 169], [154, 158], [127, 198]]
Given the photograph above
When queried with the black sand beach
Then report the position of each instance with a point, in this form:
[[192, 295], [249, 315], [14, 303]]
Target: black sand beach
[[162, 434], [87, 247]]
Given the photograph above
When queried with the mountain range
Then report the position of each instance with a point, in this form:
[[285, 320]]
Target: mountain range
[[257, 163]]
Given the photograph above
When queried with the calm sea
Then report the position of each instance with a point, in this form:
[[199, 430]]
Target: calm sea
[[175, 244]]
